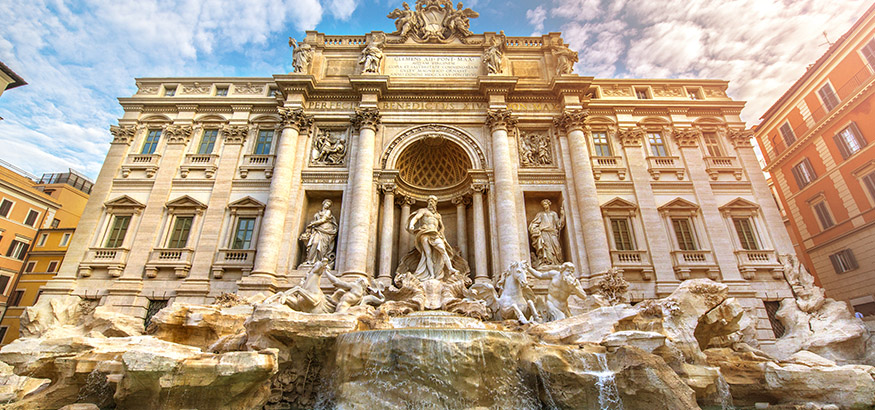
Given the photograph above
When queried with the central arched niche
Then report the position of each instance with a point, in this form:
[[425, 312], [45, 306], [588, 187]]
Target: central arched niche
[[433, 163]]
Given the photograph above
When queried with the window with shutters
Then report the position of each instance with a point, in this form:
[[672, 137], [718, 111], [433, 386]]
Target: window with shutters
[[53, 266], [686, 237], [208, 142], [843, 261], [868, 52], [243, 233], [657, 144], [118, 231], [746, 234], [181, 230], [712, 144], [803, 172], [17, 249], [828, 97], [31, 218], [15, 299], [4, 282], [823, 215], [5, 207], [264, 142], [788, 134], [868, 181], [621, 230], [849, 140], [600, 145], [151, 142]]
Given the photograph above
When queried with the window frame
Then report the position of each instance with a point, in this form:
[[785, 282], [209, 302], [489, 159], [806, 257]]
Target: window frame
[[694, 93], [42, 239], [149, 144], [803, 179], [745, 240], [870, 45], [170, 90], [180, 242], [842, 143], [259, 143], [822, 212], [246, 207], [662, 144], [65, 239], [213, 135], [843, 259], [221, 90], [27, 219], [8, 211], [244, 244], [616, 242], [694, 240], [646, 92], [18, 249], [30, 266], [606, 144], [53, 266], [111, 236], [825, 100], [721, 152]]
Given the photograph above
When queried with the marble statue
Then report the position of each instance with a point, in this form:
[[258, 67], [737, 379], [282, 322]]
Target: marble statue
[[544, 232], [457, 20], [355, 292], [328, 149], [565, 58], [433, 20], [427, 227], [809, 296], [302, 55], [563, 285], [319, 235], [307, 296], [493, 55], [535, 150], [407, 20], [510, 295], [371, 57]]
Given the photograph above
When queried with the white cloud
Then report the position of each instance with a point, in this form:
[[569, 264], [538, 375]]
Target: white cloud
[[536, 18], [579, 10], [343, 9]]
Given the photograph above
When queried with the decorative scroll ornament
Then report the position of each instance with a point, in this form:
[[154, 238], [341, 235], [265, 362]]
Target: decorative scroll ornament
[[535, 150], [740, 138], [295, 118], [366, 118], [630, 137], [122, 134], [565, 57], [687, 137], [248, 88], [500, 119], [479, 187], [571, 120], [328, 149], [146, 90], [196, 88], [433, 21], [302, 56], [178, 134], [235, 134]]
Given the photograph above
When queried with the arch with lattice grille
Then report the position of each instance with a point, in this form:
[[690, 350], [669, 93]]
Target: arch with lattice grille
[[460, 139]]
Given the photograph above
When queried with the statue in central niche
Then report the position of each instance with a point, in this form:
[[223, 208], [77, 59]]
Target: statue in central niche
[[427, 228], [544, 232]]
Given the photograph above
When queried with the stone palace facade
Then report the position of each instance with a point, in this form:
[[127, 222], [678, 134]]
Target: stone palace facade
[[239, 185]]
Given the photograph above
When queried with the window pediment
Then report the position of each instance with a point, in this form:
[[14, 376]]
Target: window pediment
[[246, 206], [185, 205], [679, 206], [619, 207], [739, 206], [123, 204]]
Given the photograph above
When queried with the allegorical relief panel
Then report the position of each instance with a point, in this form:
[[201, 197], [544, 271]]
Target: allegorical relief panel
[[329, 148], [535, 149]]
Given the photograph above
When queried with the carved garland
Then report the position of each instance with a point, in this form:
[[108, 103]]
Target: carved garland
[[235, 134], [571, 120], [366, 118], [178, 134], [687, 137], [294, 118], [432, 128]]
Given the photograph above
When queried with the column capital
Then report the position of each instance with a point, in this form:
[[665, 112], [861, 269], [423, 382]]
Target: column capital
[[177, 134], [687, 137], [461, 201], [500, 120], [630, 136], [740, 138], [294, 118], [123, 134], [571, 120], [403, 200], [388, 187], [235, 134], [366, 118], [479, 187]]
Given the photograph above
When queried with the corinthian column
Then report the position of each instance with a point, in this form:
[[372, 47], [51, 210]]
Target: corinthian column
[[480, 275], [594, 237], [499, 122], [386, 230], [360, 190], [294, 121]]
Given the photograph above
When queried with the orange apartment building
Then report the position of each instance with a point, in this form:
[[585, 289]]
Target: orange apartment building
[[818, 141]]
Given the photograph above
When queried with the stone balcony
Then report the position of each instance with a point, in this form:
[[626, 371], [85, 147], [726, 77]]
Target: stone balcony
[[686, 262], [113, 259], [199, 162], [717, 165], [178, 259], [254, 162], [660, 165], [633, 260], [147, 163], [749, 261], [608, 164], [242, 259]]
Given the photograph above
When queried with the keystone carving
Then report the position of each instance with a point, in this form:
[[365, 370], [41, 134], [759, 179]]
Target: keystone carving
[[122, 134], [500, 119], [295, 118], [571, 120], [366, 118]]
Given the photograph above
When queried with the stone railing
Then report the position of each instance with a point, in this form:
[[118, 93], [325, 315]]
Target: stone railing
[[751, 260], [659, 165], [113, 259], [715, 165], [608, 164], [178, 259], [345, 40], [524, 42], [686, 261], [199, 162], [141, 162], [242, 259], [254, 162], [637, 259]]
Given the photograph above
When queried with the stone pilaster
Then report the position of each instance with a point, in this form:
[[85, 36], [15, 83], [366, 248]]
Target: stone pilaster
[[499, 123], [387, 227], [481, 274], [572, 123], [461, 226], [294, 123], [361, 190]]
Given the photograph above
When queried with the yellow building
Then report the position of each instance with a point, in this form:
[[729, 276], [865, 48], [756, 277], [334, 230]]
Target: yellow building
[[8, 78], [70, 192]]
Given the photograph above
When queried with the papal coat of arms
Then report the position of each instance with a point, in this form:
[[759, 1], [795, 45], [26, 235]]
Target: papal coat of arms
[[433, 21]]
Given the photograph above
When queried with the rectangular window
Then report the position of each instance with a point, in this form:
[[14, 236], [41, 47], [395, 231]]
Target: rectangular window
[[849, 140], [642, 94], [181, 229], [221, 91], [208, 142], [746, 234], [657, 145], [623, 239], [153, 308], [17, 250], [65, 240], [169, 91], [15, 299], [4, 281], [30, 266], [42, 239], [772, 312], [683, 230], [53, 265], [823, 215], [600, 144], [31, 218], [869, 183], [118, 231], [271, 92], [788, 134], [829, 97], [243, 233], [151, 142], [712, 144], [869, 53], [3, 333], [263, 143], [804, 173], [843, 261], [5, 206], [55, 223]]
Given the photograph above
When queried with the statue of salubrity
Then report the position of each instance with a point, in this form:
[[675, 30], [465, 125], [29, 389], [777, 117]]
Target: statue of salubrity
[[371, 57], [544, 233]]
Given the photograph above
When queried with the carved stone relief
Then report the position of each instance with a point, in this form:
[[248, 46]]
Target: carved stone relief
[[432, 21], [535, 150], [328, 149]]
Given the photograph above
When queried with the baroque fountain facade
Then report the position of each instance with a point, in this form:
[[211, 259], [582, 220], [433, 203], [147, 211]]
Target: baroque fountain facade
[[433, 218]]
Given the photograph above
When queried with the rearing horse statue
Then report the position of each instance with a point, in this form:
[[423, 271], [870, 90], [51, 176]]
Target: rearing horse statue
[[511, 296]]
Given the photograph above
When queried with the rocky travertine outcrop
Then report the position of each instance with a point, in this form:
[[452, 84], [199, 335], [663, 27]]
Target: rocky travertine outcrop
[[198, 325], [645, 382], [831, 331]]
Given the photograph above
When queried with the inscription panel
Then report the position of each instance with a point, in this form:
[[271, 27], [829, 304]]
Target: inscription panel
[[432, 66]]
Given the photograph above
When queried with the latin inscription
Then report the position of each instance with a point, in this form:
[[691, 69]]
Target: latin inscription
[[429, 106], [432, 66]]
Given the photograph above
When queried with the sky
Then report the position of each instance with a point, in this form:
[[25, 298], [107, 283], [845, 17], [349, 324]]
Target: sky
[[80, 56]]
